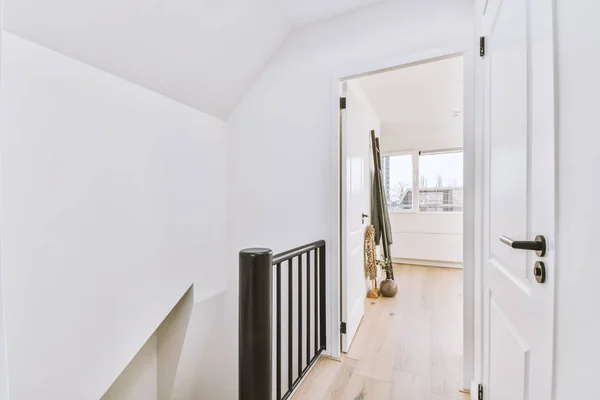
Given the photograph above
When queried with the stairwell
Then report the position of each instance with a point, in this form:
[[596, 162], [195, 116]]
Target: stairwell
[[182, 359]]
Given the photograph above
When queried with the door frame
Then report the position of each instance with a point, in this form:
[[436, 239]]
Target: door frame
[[3, 348], [472, 195]]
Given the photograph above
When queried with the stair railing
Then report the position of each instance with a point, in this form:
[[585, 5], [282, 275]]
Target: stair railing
[[304, 313]]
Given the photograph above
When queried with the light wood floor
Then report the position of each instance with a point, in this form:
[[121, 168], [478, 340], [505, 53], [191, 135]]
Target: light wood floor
[[407, 348]]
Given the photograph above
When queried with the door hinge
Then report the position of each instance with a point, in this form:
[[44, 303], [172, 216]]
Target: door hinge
[[480, 392], [343, 328], [481, 46], [342, 103]]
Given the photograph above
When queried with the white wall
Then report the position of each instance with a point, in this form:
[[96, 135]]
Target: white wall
[[280, 155], [577, 349], [433, 237], [113, 205], [425, 136]]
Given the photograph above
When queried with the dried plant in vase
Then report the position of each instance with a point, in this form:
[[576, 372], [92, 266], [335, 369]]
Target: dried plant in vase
[[385, 265], [370, 261]]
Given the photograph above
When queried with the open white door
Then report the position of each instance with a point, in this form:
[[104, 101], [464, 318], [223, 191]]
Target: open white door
[[519, 192], [357, 121]]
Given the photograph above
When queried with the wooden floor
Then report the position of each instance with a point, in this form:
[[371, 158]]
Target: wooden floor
[[407, 348]]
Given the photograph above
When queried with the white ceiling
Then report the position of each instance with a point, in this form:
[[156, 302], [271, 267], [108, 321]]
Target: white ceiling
[[204, 53], [303, 12], [425, 94]]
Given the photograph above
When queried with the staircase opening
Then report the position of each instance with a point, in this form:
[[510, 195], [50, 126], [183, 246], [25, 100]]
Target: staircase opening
[[152, 374]]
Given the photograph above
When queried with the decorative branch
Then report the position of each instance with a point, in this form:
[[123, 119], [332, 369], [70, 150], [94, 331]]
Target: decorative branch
[[386, 265]]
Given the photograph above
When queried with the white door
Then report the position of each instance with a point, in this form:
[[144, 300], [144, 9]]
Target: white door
[[518, 199], [356, 124]]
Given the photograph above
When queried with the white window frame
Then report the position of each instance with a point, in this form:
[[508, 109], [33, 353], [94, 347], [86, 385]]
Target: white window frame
[[416, 188]]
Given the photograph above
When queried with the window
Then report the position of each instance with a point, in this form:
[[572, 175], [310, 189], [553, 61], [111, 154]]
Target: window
[[398, 181], [441, 181], [439, 175]]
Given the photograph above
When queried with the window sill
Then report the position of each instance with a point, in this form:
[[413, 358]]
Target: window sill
[[425, 212]]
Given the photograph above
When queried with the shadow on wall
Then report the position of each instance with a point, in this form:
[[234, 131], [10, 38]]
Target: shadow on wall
[[178, 361]]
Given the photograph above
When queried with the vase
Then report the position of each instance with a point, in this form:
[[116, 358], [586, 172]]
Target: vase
[[388, 288]]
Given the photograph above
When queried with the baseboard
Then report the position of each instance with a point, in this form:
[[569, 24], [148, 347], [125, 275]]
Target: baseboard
[[427, 263], [336, 359]]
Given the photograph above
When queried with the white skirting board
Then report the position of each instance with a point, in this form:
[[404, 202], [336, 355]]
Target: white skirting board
[[427, 263]]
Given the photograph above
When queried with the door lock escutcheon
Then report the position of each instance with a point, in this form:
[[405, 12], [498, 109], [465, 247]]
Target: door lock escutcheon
[[539, 271]]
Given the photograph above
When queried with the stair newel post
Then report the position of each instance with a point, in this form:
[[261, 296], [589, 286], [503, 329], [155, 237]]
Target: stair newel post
[[255, 324]]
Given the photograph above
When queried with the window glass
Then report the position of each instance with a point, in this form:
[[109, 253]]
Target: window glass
[[441, 181], [397, 180]]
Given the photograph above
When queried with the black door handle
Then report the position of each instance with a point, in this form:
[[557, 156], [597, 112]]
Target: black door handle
[[363, 217], [538, 245]]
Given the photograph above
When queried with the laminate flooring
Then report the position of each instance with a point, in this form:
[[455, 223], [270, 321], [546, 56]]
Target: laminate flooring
[[407, 348]]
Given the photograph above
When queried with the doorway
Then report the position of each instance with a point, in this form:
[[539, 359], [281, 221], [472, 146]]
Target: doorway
[[422, 114]]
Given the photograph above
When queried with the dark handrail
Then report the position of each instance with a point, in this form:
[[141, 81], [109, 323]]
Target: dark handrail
[[260, 272], [289, 254]]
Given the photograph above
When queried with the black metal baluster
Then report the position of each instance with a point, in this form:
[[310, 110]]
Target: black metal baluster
[[299, 315], [316, 302], [290, 327], [278, 331], [323, 337], [308, 308]]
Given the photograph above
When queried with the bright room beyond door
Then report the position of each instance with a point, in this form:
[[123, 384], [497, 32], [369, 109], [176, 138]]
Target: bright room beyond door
[[412, 344]]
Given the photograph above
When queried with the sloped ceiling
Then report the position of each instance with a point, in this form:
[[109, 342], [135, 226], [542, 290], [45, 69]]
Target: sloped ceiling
[[303, 12], [424, 93], [204, 53]]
